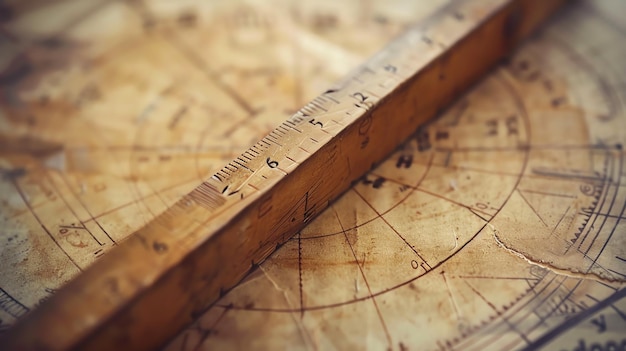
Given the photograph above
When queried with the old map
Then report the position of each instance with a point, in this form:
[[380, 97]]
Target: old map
[[500, 225]]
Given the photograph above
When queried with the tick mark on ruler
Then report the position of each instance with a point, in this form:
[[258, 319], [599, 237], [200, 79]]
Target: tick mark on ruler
[[159, 247], [390, 68]]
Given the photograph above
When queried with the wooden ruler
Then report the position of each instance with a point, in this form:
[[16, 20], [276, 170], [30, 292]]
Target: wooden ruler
[[170, 271]]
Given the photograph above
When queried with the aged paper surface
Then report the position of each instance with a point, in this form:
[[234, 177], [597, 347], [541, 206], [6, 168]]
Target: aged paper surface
[[500, 225]]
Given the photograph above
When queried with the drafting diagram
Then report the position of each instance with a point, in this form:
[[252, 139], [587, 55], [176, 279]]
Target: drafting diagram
[[500, 225]]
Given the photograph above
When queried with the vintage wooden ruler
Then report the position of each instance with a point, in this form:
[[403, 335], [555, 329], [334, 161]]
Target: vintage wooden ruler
[[205, 244]]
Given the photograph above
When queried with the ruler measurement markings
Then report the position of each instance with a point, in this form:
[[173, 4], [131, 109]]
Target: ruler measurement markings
[[242, 164]]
